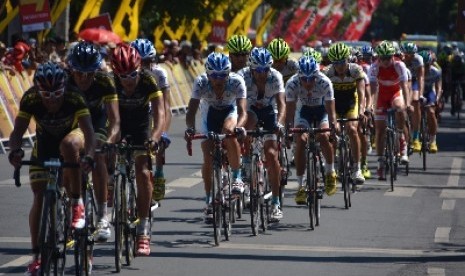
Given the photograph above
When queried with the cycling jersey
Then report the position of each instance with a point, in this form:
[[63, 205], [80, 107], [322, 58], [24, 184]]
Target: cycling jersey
[[161, 76], [289, 69], [221, 107], [345, 89], [432, 76], [101, 92], [414, 64], [312, 102], [134, 109]]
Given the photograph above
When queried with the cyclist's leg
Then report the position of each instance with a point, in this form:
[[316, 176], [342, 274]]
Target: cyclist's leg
[[70, 147], [431, 119], [416, 115], [363, 149], [355, 144], [382, 104], [233, 151], [398, 104]]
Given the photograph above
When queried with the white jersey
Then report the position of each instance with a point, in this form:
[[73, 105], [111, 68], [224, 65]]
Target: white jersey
[[432, 76], [161, 76], [321, 92], [416, 62], [289, 69], [235, 89], [274, 85]]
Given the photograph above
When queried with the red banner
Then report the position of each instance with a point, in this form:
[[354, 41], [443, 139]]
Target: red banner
[[102, 21], [357, 28], [322, 11], [219, 31], [35, 15], [328, 28]]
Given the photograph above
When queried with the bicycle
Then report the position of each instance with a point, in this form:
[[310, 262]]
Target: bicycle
[[285, 170], [456, 98], [124, 213], [55, 217], [314, 166], [391, 152], [424, 136], [223, 202], [345, 161]]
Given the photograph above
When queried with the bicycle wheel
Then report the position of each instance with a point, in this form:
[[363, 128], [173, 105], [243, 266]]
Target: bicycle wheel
[[423, 139], [317, 196], [254, 195], [390, 157], [284, 164], [311, 193], [47, 235], [129, 224], [227, 208], [90, 228], [118, 219], [62, 234], [217, 204], [264, 208], [343, 162]]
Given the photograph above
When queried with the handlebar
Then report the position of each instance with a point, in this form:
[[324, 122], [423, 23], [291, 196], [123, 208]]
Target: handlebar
[[53, 163], [210, 136]]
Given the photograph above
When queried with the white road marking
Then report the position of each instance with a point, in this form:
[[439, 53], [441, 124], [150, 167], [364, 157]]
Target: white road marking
[[401, 192], [15, 240], [452, 193], [455, 168], [442, 234], [11, 182], [184, 182], [197, 173], [21, 261], [448, 204], [436, 271]]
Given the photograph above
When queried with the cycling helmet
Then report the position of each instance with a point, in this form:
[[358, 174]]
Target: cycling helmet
[[409, 47], [125, 59], [356, 53], [427, 57], [279, 48], [260, 57], [307, 66], [367, 51], [49, 76], [85, 57], [338, 52], [238, 44], [145, 48], [217, 63], [385, 48], [310, 52]]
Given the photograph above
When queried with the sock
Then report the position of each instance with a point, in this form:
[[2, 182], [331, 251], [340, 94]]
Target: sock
[[208, 198], [329, 168], [416, 135], [357, 166], [432, 138], [143, 227], [380, 162], [236, 174], [275, 200], [159, 172], [102, 210], [300, 180]]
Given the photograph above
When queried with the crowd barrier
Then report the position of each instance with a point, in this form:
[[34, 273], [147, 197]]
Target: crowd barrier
[[13, 86]]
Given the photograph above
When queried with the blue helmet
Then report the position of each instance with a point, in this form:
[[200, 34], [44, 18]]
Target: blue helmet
[[367, 51], [145, 48], [218, 63], [49, 76], [260, 57], [308, 66], [85, 57]]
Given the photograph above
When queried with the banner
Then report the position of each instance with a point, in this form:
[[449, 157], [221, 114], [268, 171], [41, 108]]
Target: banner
[[328, 27], [102, 21], [304, 13], [357, 28], [305, 33], [35, 15]]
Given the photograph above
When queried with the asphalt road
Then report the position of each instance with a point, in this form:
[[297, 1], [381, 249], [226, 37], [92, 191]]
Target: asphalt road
[[419, 229]]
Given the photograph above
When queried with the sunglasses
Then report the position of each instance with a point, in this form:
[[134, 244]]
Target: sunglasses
[[307, 79], [385, 58], [132, 75], [262, 69], [217, 76], [52, 94], [340, 62]]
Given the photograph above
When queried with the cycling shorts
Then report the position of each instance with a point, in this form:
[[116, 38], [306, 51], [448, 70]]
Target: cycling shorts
[[45, 148], [214, 118], [266, 115], [347, 108], [100, 125], [430, 97], [311, 116], [384, 102]]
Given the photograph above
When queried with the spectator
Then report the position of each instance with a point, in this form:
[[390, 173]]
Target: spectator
[[185, 54]]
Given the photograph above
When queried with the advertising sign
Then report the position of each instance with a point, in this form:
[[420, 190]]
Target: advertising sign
[[34, 15]]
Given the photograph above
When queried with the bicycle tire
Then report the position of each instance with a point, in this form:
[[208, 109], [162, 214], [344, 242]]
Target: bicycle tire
[[90, 228], [47, 237], [311, 193], [254, 195], [317, 208], [227, 210], [129, 224], [264, 209], [390, 158], [344, 174], [216, 183], [118, 220], [424, 139], [62, 235]]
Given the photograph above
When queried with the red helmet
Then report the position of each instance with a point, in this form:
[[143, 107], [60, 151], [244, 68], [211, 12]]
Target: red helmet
[[20, 49], [125, 59]]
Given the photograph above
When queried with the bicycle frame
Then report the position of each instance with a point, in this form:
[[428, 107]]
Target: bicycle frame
[[392, 147]]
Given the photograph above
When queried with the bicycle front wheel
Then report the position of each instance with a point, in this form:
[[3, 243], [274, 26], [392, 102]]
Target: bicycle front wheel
[[344, 163], [390, 158], [118, 219], [254, 196], [217, 205], [47, 235], [311, 191], [62, 235]]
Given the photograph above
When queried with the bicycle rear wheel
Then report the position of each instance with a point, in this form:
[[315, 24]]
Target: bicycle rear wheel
[[129, 225], [47, 235], [254, 196], [228, 208]]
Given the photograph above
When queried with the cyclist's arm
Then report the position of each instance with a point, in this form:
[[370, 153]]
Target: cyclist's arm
[[158, 115], [241, 111], [290, 112], [191, 111], [421, 79], [330, 107], [368, 97], [167, 100], [112, 110], [405, 88], [16, 136], [281, 102], [438, 86], [85, 124]]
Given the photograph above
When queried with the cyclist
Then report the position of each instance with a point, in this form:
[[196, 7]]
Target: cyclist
[[433, 91], [239, 47], [223, 98], [349, 92], [315, 92], [387, 78], [136, 89], [457, 71], [98, 90], [148, 53], [280, 50], [57, 111], [310, 52], [414, 63], [266, 103]]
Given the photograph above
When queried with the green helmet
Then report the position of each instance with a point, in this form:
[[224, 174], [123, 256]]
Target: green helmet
[[338, 51], [310, 52], [409, 47], [239, 44], [426, 55], [279, 48], [385, 48]]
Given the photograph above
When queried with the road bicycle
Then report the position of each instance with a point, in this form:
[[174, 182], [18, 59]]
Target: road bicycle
[[392, 149], [314, 166], [223, 202], [456, 98]]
